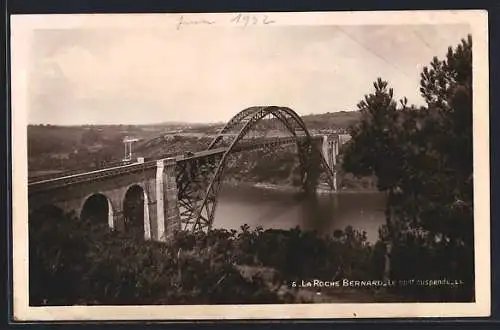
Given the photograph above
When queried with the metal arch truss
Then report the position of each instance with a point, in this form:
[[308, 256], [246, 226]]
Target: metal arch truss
[[199, 180], [192, 178]]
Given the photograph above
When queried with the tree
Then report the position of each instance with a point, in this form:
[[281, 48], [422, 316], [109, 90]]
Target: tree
[[90, 137], [422, 158]]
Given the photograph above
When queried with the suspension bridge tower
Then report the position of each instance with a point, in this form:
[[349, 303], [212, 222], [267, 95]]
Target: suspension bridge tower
[[128, 142]]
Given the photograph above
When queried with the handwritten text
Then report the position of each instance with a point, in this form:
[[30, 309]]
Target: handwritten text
[[250, 19], [242, 20], [182, 21]]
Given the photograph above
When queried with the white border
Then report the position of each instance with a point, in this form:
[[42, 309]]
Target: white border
[[21, 27]]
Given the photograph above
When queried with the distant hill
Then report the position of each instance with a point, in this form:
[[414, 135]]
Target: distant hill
[[63, 148], [176, 142], [53, 138], [332, 120], [329, 120], [340, 119]]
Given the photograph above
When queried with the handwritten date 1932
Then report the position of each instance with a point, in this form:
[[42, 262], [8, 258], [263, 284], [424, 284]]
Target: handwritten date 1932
[[250, 19]]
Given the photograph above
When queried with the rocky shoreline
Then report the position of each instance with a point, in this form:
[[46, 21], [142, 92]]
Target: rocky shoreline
[[322, 189]]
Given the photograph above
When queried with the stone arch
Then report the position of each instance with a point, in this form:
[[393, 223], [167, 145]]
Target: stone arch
[[136, 210], [97, 208]]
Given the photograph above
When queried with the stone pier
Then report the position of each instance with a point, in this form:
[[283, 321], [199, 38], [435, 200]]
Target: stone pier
[[330, 150], [168, 218]]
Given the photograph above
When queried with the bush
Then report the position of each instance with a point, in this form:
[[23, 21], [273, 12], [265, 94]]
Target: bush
[[74, 262]]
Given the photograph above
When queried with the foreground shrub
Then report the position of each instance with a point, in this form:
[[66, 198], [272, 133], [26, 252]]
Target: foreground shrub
[[72, 262]]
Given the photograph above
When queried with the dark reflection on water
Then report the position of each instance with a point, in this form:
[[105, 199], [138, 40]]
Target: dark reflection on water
[[271, 208]]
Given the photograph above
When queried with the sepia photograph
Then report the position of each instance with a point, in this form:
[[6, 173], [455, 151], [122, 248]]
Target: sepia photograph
[[250, 165]]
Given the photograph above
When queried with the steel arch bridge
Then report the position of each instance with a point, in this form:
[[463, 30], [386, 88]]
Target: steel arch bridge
[[199, 181]]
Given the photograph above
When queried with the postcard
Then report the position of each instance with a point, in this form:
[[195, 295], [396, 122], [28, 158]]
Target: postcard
[[223, 166]]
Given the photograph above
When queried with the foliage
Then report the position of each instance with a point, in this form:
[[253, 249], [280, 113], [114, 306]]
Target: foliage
[[278, 166], [74, 262], [303, 254], [350, 182], [422, 158]]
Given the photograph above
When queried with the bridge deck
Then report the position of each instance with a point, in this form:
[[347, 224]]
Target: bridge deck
[[129, 168]]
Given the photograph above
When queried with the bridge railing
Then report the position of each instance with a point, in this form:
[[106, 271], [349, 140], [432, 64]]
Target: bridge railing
[[34, 178], [64, 173], [88, 176]]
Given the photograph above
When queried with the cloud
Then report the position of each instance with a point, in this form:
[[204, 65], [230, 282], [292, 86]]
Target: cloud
[[197, 75]]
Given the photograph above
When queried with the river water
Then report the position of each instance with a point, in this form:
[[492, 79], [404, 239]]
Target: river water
[[285, 209]]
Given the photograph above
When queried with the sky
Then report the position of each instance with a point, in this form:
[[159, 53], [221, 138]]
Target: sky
[[199, 75]]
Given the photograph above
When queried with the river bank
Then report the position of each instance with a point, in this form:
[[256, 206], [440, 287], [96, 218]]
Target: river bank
[[321, 189]]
